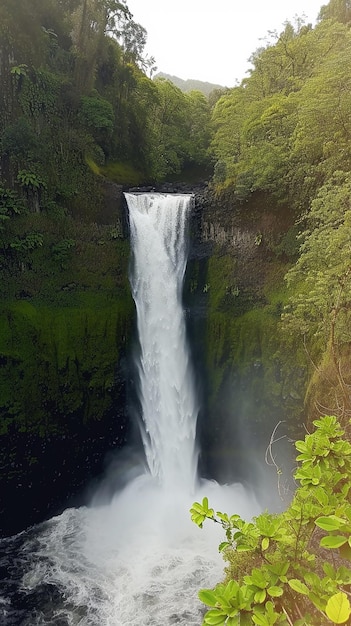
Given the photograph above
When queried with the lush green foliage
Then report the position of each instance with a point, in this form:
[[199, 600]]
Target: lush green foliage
[[324, 289], [285, 131], [75, 97], [291, 568], [265, 129]]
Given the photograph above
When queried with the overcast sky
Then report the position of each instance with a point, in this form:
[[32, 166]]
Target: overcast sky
[[211, 40]]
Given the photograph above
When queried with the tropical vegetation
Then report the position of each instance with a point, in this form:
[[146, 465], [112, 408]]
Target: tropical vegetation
[[292, 568]]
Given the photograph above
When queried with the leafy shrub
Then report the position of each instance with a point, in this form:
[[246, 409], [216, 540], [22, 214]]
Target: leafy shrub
[[280, 571], [97, 113]]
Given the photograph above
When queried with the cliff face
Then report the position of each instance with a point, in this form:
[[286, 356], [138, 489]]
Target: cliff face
[[66, 320], [250, 378], [65, 344]]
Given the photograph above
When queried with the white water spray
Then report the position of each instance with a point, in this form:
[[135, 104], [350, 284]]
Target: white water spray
[[139, 560]]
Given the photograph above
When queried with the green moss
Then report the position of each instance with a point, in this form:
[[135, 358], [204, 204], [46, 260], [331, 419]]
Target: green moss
[[59, 361], [95, 261], [122, 173], [221, 280], [246, 341]]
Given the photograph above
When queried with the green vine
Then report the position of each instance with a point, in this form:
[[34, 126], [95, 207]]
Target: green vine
[[292, 568]]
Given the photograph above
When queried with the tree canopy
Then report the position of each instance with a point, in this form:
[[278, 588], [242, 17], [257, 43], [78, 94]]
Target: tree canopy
[[76, 90]]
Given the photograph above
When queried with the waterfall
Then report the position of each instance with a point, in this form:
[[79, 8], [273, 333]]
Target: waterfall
[[136, 558], [169, 408]]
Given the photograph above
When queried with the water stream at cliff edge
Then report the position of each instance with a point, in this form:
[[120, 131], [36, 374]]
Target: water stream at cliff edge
[[136, 560]]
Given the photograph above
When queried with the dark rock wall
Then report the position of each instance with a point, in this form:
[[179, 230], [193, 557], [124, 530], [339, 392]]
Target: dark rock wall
[[249, 378], [64, 369]]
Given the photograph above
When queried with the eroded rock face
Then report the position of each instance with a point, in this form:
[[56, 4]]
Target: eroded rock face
[[234, 296]]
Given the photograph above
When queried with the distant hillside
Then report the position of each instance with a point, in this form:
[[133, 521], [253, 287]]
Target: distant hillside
[[190, 84]]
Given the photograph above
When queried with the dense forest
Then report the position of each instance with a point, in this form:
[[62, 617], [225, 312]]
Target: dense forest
[[191, 84], [75, 94]]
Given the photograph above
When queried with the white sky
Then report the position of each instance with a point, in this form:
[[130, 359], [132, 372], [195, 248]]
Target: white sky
[[211, 40]]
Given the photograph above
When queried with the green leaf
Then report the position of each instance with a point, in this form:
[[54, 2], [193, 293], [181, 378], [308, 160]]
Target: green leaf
[[298, 586], [243, 548], [257, 578], [279, 569], [333, 541], [260, 596], [338, 608], [275, 592], [321, 496], [265, 543], [197, 507], [207, 596], [223, 517], [215, 617], [197, 518], [332, 522], [234, 620], [329, 571]]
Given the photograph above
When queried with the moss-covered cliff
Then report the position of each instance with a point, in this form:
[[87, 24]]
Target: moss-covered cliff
[[253, 374], [66, 319]]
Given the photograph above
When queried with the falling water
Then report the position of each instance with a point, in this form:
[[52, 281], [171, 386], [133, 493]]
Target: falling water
[[136, 559], [157, 226]]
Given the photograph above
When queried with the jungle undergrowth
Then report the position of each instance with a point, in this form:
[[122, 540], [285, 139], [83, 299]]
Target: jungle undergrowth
[[290, 568]]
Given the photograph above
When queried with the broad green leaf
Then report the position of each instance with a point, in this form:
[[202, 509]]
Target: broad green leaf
[[321, 496], [317, 601], [223, 517], [298, 586], [257, 578], [229, 589], [243, 548], [270, 610], [197, 508], [198, 519], [338, 608], [215, 617], [275, 592], [265, 543], [301, 446], [333, 541], [207, 596], [330, 523], [234, 621], [329, 571], [260, 596], [311, 579], [279, 569]]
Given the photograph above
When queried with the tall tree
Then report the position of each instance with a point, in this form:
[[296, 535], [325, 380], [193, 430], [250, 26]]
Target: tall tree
[[339, 10]]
